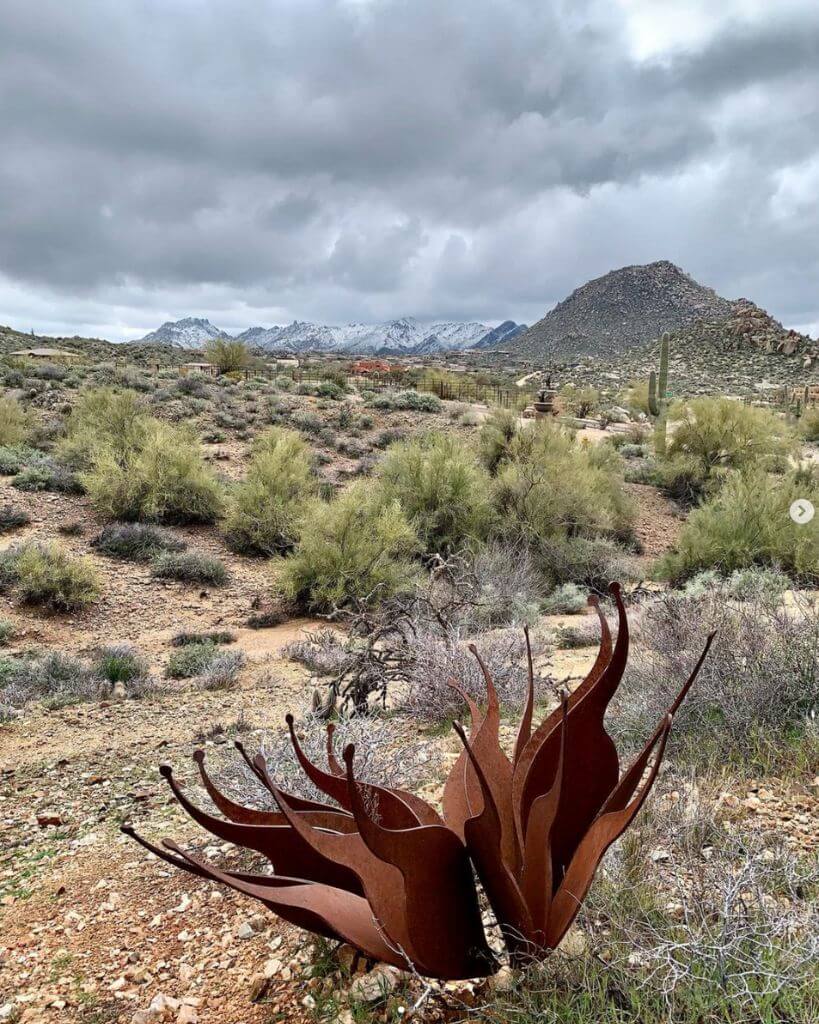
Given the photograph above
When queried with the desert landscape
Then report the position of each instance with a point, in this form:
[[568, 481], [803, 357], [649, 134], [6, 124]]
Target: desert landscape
[[198, 541], [409, 492]]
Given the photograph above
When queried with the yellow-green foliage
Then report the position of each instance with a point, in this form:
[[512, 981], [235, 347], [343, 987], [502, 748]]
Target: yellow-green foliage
[[809, 423], [228, 354], [441, 487], [353, 552], [498, 431], [550, 485], [14, 423], [580, 402], [265, 510], [162, 479], [46, 574], [747, 523], [711, 436], [103, 418]]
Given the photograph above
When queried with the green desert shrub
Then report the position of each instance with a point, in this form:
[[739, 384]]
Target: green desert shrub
[[591, 562], [747, 523], [567, 599], [497, 432], [14, 423], [709, 437], [162, 479], [189, 567], [103, 419], [264, 511], [579, 401], [413, 401], [809, 424], [190, 660], [7, 631], [353, 552], [442, 488], [549, 485], [135, 542], [45, 574], [120, 663], [228, 354], [14, 458]]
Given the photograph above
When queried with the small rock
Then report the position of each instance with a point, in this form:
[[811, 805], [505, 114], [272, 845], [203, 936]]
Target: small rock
[[187, 1015], [48, 819], [373, 986]]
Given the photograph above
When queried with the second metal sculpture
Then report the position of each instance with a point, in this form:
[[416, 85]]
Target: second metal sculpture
[[383, 871]]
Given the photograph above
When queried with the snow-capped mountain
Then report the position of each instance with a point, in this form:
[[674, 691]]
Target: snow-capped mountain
[[405, 336], [192, 332], [502, 333]]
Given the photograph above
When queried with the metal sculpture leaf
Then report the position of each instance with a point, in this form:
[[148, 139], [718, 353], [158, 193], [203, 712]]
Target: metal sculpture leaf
[[382, 870]]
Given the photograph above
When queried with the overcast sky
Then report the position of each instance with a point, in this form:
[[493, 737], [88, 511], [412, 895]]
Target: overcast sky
[[256, 161]]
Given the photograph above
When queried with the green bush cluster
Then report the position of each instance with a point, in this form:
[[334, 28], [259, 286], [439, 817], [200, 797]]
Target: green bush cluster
[[161, 478], [711, 437], [412, 401], [353, 551], [264, 512], [747, 523], [45, 574]]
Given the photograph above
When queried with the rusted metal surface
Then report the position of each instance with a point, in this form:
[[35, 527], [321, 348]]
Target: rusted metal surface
[[381, 869]]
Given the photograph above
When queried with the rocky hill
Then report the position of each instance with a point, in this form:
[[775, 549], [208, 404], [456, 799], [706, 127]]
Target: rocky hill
[[619, 311]]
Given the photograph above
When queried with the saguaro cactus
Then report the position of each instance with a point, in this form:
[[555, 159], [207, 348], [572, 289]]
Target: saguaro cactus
[[386, 872], [658, 394]]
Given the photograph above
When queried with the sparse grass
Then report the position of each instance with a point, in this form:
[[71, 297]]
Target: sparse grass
[[14, 422], [217, 637], [190, 567]]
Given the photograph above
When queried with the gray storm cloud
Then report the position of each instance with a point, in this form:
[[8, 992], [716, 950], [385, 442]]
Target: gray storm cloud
[[259, 161]]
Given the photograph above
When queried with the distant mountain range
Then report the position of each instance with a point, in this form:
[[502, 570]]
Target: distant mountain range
[[406, 336]]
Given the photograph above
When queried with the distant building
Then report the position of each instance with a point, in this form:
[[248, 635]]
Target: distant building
[[209, 369], [53, 355], [365, 366]]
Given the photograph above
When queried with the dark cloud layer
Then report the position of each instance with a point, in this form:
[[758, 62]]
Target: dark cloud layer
[[357, 159]]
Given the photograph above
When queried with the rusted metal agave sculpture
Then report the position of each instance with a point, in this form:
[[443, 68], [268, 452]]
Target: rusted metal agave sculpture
[[386, 873]]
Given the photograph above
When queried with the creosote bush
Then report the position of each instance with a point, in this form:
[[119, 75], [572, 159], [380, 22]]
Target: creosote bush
[[355, 550], [264, 511], [45, 574], [548, 485], [103, 419], [709, 437], [746, 524], [162, 479], [190, 660], [442, 488], [413, 401]]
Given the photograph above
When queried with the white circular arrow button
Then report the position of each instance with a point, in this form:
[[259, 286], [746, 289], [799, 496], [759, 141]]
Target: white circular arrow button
[[802, 511]]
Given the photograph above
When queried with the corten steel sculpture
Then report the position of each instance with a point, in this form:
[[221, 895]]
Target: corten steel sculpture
[[385, 872]]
